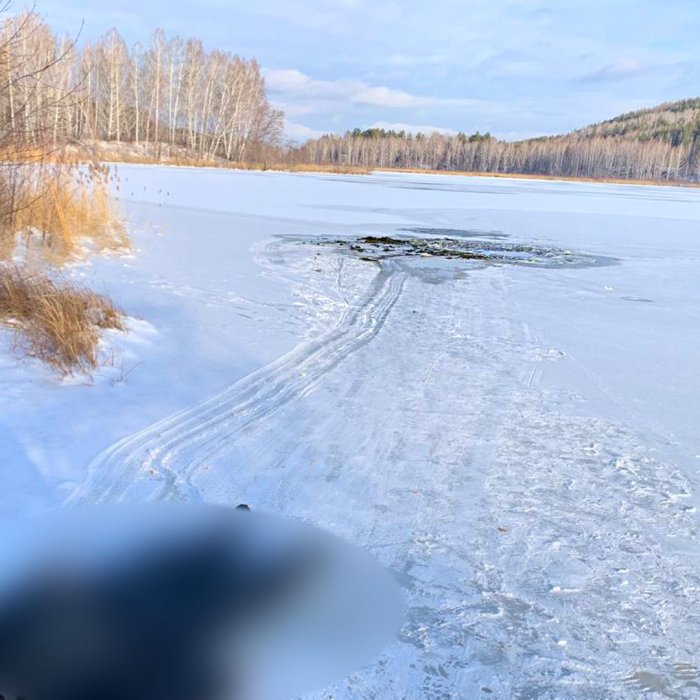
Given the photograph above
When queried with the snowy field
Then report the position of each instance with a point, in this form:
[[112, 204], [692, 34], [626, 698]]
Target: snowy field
[[520, 445]]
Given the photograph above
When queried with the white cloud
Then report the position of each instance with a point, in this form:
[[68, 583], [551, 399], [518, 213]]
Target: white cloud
[[299, 132], [292, 110], [291, 83], [286, 80], [386, 97], [329, 103]]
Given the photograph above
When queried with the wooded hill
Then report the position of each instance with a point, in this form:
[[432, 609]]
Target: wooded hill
[[661, 143], [676, 123]]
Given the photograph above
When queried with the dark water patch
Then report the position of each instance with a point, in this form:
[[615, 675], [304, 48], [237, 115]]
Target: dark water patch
[[375, 248]]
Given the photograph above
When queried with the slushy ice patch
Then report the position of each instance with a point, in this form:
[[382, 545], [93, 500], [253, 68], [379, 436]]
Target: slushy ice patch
[[374, 248]]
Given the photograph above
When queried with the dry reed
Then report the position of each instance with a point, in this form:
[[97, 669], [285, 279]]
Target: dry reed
[[54, 320], [61, 210]]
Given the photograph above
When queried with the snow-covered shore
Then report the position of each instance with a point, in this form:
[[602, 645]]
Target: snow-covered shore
[[519, 445]]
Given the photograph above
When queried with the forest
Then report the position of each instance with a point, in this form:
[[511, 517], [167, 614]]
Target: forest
[[662, 143], [170, 93]]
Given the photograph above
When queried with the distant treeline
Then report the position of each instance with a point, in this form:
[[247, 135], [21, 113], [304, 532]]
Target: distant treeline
[[170, 92], [657, 144]]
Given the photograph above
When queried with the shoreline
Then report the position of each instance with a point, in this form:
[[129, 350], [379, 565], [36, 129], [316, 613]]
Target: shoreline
[[316, 169]]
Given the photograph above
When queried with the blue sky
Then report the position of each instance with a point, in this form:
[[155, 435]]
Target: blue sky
[[516, 68]]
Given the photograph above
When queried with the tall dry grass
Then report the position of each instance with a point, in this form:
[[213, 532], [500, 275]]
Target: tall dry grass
[[60, 210], [52, 211], [54, 320]]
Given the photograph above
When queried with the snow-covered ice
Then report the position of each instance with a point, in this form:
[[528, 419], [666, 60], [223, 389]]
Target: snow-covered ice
[[518, 444]]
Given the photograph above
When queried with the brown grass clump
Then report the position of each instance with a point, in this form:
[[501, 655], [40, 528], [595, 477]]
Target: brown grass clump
[[55, 321]]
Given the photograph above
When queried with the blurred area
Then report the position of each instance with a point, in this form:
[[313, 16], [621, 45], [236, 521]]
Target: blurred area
[[185, 602]]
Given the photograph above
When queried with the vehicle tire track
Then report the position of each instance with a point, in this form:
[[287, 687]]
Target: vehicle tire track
[[156, 463]]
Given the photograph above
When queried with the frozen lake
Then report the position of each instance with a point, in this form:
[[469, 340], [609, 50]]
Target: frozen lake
[[519, 444]]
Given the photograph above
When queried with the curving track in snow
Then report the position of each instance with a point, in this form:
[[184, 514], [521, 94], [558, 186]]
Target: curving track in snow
[[156, 462]]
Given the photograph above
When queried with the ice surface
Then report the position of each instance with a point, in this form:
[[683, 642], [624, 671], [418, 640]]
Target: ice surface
[[519, 445]]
